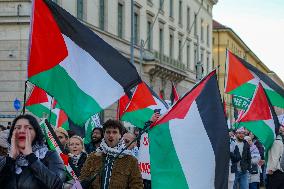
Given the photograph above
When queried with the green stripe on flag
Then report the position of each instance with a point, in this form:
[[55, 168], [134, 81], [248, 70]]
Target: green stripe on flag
[[138, 117], [260, 129], [41, 111], [164, 160], [247, 90], [76, 103]]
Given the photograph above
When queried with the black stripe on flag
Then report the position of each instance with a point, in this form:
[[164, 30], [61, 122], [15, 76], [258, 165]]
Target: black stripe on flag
[[212, 114], [268, 81], [116, 65]]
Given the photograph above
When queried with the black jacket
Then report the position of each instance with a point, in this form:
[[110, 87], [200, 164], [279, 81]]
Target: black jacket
[[246, 157], [235, 158], [47, 173]]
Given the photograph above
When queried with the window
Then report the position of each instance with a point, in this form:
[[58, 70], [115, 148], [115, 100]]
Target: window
[[208, 63], [188, 55], [102, 15], [202, 30], [120, 20], [188, 19], [161, 41], [171, 53], [149, 35], [208, 35], [161, 4], [195, 24], [195, 55], [180, 13], [180, 50], [171, 8], [136, 28], [80, 9]]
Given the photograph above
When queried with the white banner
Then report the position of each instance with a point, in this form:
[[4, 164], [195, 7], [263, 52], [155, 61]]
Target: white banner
[[144, 157]]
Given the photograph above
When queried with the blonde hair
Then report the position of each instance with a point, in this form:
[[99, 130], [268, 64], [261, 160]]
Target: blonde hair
[[79, 138]]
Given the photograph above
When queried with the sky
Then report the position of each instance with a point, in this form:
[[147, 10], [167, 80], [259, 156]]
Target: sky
[[260, 24]]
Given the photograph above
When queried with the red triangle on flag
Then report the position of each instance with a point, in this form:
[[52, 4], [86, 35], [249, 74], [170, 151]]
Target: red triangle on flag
[[237, 73], [259, 108], [47, 47], [141, 98], [62, 118], [37, 96]]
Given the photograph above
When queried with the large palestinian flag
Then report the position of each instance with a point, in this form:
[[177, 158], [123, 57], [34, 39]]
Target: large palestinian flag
[[259, 118], [243, 78], [140, 107], [44, 106], [75, 66], [189, 146]]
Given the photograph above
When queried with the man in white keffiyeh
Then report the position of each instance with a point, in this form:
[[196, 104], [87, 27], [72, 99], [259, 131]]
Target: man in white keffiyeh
[[113, 171]]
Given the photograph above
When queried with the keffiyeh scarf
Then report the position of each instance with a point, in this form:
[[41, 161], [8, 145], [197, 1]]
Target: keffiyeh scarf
[[21, 161], [115, 150]]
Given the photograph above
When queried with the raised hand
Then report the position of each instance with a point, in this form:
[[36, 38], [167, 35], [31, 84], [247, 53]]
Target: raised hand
[[155, 117], [28, 144], [14, 152]]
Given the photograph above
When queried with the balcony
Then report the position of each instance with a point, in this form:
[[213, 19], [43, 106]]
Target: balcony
[[165, 67]]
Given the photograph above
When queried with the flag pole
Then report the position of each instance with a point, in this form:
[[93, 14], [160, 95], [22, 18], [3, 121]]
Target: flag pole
[[25, 97], [225, 76], [87, 182], [50, 109]]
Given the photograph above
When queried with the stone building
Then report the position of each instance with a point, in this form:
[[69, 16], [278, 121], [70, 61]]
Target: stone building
[[225, 38], [174, 35]]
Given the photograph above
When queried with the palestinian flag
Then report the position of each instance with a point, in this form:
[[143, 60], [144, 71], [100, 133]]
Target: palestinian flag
[[140, 107], [189, 145], [259, 118], [44, 106], [174, 95], [243, 78], [74, 65], [54, 144]]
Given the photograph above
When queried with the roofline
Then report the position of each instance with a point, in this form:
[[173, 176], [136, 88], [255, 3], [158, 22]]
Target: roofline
[[248, 50]]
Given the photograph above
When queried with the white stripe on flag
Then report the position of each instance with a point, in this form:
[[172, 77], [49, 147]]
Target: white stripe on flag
[[89, 75], [194, 149]]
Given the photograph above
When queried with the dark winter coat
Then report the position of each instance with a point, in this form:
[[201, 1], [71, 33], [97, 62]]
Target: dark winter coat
[[47, 173], [77, 168], [235, 158], [246, 157]]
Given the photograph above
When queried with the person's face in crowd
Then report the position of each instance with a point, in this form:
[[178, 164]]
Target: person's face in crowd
[[249, 141], [281, 130], [136, 132], [251, 135], [75, 146], [112, 136], [240, 135], [246, 132], [96, 136], [62, 138], [128, 138], [23, 129]]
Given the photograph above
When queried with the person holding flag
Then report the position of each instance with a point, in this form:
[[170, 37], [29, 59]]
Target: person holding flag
[[103, 169], [30, 164]]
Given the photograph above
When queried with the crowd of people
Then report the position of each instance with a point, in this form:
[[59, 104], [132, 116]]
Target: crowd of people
[[250, 167], [27, 162]]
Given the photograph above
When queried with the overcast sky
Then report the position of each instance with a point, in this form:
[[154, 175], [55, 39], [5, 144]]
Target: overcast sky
[[260, 24]]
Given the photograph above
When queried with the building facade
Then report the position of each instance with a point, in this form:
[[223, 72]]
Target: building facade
[[225, 38], [170, 37]]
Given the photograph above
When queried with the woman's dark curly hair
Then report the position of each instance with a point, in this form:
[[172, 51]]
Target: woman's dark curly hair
[[39, 137]]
